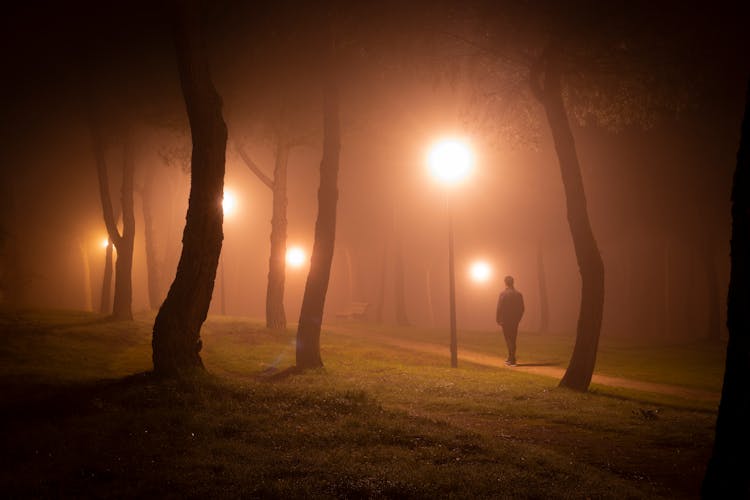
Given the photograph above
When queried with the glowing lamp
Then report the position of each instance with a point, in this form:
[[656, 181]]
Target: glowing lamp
[[480, 271], [295, 257], [450, 160]]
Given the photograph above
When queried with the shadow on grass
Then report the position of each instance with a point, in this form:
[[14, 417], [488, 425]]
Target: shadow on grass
[[661, 401], [273, 374], [27, 399]]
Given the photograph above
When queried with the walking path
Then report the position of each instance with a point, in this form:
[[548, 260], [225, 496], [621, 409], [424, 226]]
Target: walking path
[[549, 371]]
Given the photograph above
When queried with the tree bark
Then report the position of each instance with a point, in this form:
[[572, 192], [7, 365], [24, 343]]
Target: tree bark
[[726, 475], [152, 261], [547, 85], [316, 287], [176, 341], [275, 315]]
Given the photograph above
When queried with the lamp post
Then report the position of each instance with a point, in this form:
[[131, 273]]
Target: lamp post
[[450, 161], [228, 206]]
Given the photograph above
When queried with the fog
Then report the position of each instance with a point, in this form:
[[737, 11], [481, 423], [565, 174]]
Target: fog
[[658, 196]]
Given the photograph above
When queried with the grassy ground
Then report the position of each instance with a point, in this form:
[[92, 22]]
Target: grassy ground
[[698, 364], [81, 418]]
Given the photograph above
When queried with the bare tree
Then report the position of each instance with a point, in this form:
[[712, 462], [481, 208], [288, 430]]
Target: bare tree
[[546, 84], [123, 243], [176, 338], [316, 287], [275, 314]]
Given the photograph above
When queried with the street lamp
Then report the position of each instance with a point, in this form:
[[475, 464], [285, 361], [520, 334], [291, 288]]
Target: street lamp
[[295, 257], [450, 161], [480, 271]]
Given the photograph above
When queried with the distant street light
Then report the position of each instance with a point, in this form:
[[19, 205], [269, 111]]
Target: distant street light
[[450, 161], [295, 257], [480, 271], [105, 243]]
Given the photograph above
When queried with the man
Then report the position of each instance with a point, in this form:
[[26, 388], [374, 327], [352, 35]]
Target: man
[[509, 313]]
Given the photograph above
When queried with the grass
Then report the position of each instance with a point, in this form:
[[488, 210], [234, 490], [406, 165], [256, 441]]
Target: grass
[[698, 364], [80, 418]]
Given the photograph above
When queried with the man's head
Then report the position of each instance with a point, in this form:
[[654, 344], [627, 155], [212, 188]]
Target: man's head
[[509, 281]]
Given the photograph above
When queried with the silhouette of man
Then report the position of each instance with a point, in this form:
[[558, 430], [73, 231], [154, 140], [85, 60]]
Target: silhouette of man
[[509, 313]]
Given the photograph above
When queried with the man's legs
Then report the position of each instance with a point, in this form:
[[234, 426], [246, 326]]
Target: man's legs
[[510, 332]]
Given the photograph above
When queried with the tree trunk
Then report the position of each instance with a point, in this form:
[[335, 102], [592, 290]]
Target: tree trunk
[[105, 306], [122, 307], [176, 341], [590, 265], [275, 315], [123, 243], [152, 262], [316, 287], [726, 475], [543, 296]]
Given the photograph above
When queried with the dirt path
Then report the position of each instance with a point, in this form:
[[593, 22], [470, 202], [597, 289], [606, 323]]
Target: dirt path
[[538, 369]]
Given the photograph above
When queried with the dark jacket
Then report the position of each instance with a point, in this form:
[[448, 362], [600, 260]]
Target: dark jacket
[[509, 307]]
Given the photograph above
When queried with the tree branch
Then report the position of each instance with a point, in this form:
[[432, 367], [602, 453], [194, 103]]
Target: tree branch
[[254, 167], [101, 169]]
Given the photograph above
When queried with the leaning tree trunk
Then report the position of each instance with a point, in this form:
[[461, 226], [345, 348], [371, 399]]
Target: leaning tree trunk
[[153, 269], [727, 473], [122, 307], [275, 315], [316, 287], [176, 341], [548, 89]]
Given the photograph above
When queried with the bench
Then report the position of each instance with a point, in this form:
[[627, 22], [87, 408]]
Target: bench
[[356, 310]]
